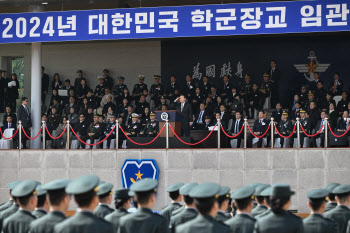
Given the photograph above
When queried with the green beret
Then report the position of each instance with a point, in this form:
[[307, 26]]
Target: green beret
[[56, 185], [318, 193], [281, 191], [24, 188], [83, 184], [13, 184], [266, 192], [260, 188], [122, 194], [341, 189], [174, 187], [40, 191], [144, 185], [224, 191], [330, 187], [104, 189], [205, 190], [244, 192], [185, 190]]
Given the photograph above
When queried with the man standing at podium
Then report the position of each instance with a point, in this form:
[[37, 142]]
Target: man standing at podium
[[185, 109]]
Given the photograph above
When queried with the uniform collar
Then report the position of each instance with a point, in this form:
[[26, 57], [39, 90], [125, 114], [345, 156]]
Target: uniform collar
[[243, 213], [79, 210], [24, 210], [41, 209]]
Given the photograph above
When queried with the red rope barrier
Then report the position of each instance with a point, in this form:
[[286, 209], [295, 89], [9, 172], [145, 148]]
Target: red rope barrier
[[311, 135], [9, 137], [338, 136], [289, 134], [58, 136], [261, 135], [30, 137], [223, 130], [142, 144], [193, 144], [93, 144]]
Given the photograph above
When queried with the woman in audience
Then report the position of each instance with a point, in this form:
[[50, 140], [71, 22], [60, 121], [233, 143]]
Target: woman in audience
[[333, 115], [145, 117], [84, 107], [13, 91], [296, 99], [54, 96], [56, 82], [82, 90]]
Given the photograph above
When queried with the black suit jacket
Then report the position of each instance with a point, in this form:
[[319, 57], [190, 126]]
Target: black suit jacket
[[260, 127], [186, 112], [240, 124], [23, 116], [341, 124], [274, 75]]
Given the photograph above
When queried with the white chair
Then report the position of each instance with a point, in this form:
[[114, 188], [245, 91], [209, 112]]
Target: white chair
[[7, 143], [318, 142], [306, 142], [267, 103], [124, 144], [234, 143], [88, 142], [255, 142], [74, 144], [277, 143], [337, 98], [112, 146]]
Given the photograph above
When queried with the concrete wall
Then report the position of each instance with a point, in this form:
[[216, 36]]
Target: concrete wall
[[303, 169]]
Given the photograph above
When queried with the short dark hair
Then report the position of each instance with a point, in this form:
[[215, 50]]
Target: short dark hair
[[262, 111], [204, 205], [85, 199], [67, 80], [267, 199], [42, 67], [23, 201], [56, 196], [342, 197], [331, 197], [278, 203], [104, 195], [143, 197], [41, 200], [221, 200], [243, 203], [24, 99], [317, 73], [174, 195], [188, 200], [260, 199], [316, 203], [183, 95]]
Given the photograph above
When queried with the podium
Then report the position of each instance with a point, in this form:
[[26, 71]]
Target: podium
[[174, 118]]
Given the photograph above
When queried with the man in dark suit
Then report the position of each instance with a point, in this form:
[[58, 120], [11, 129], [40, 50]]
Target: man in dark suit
[[185, 109], [224, 116], [343, 123], [260, 127], [189, 89], [319, 125], [44, 83], [236, 127], [275, 77], [336, 87], [24, 115], [313, 84]]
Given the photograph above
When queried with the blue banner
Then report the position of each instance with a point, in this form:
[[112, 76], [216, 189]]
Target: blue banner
[[183, 21]]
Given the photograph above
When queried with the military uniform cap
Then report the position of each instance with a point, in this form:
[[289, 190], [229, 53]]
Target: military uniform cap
[[83, 184], [244, 192], [318, 194], [112, 116], [266, 75], [302, 111], [100, 77], [134, 115], [285, 113], [162, 97], [205, 190], [156, 76], [141, 77], [281, 191], [122, 194], [131, 193], [144, 185], [121, 78], [266, 192], [310, 93], [254, 185], [25, 188], [101, 182], [104, 189], [260, 188], [246, 76], [224, 191], [341, 189], [297, 102], [330, 187], [40, 191], [96, 115], [13, 184], [56, 185], [207, 117], [174, 187], [152, 114], [185, 190]]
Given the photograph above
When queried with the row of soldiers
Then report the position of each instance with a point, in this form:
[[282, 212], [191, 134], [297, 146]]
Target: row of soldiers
[[208, 207]]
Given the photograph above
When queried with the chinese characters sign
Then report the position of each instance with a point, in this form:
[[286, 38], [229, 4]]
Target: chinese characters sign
[[184, 21]]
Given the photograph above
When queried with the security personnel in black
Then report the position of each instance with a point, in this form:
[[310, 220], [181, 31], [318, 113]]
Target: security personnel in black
[[176, 198], [95, 130], [99, 90], [223, 204], [134, 128], [151, 128], [316, 223], [341, 213], [138, 89], [84, 221], [226, 88], [332, 203], [141, 105], [10, 202], [105, 197], [261, 207], [59, 203], [245, 91], [285, 127], [77, 81], [279, 219], [109, 127], [305, 123], [187, 212], [144, 220], [122, 200], [19, 221], [43, 205], [265, 87], [119, 90], [242, 222], [108, 80], [157, 90], [206, 201]]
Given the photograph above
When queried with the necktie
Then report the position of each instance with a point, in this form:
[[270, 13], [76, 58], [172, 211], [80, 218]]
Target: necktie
[[321, 125], [182, 107], [188, 84], [200, 117], [9, 125], [335, 84], [222, 114], [236, 126]]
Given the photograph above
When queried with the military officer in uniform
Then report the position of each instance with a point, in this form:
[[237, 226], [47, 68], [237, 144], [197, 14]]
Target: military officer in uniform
[[108, 81], [19, 221], [305, 123], [104, 194], [341, 213], [332, 203], [261, 207], [242, 222], [99, 90], [144, 220], [265, 87], [84, 190], [151, 128], [94, 130], [266, 194], [316, 222], [110, 126], [14, 206], [119, 90], [206, 201], [134, 128], [122, 204], [157, 90], [138, 89], [223, 204], [285, 127], [43, 204], [59, 203], [176, 198], [187, 212], [279, 219], [245, 92], [9, 203]]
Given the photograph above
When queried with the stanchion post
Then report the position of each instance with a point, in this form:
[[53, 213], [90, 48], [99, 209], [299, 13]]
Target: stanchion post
[[20, 135], [116, 134], [43, 132], [219, 127], [245, 132], [298, 132], [68, 132], [272, 131], [325, 132], [167, 134]]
